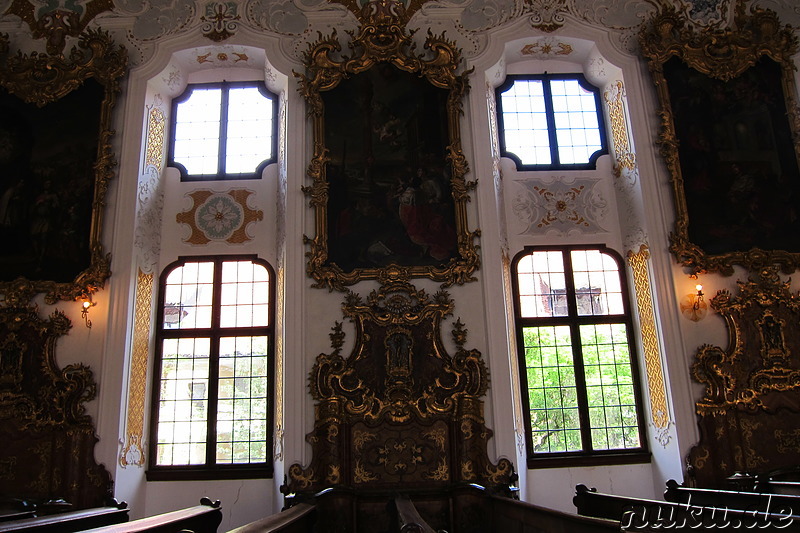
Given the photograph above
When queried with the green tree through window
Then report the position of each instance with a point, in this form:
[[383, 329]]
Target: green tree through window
[[577, 369]]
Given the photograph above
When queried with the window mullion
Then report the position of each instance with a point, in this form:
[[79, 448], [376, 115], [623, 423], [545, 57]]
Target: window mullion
[[213, 371], [551, 122], [580, 382], [577, 352], [223, 129]]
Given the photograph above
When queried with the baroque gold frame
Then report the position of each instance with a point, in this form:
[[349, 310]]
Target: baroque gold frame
[[41, 79], [720, 55], [382, 39]]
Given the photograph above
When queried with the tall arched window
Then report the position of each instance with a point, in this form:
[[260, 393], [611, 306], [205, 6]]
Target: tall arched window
[[212, 413], [577, 358]]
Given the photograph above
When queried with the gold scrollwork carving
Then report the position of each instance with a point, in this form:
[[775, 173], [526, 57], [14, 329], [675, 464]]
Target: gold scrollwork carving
[[400, 404], [757, 362], [41, 79], [382, 41], [721, 55]]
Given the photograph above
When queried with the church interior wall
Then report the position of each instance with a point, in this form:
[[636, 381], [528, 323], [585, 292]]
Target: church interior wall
[[142, 234]]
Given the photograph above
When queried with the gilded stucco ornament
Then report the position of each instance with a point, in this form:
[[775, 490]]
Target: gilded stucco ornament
[[42, 79], [399, 403], [720, 55], [382, 41], [55, 25], [758, 361], [752, 385]]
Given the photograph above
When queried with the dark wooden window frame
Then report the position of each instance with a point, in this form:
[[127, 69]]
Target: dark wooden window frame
[[212, 470], [551, 127], [585, 457], [223, 137]]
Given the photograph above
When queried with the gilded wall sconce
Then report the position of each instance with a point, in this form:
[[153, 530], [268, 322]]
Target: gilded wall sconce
[[85, 306], [694, 306]]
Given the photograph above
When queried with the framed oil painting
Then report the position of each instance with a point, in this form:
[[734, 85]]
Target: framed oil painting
[[56, 162], [389, 192], [729, 118]]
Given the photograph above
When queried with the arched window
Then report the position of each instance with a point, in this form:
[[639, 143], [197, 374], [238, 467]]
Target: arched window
[[550, 121], [212, 412], [577, 359]]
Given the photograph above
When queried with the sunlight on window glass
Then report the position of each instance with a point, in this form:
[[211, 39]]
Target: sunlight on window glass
[[552, 390], [197, 127], [525, 122], [613, 417], [183, 401], [242, 407], [542, 285], [249, 130], [245, 295], [598, 286], [575, 115], [189, 290]]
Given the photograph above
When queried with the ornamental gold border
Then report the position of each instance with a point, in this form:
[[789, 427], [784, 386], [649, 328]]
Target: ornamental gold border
[[382, 39], [41, 79], [723, 55]]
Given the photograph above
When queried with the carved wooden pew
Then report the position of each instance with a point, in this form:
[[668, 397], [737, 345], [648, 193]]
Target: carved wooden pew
[[69, 521], [297, 519], [203, 518]]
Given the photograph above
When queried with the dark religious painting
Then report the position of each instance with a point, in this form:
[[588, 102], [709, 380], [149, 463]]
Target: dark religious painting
[[56, 163], [388, 185], [390, 198], [737, 157], [47, 155], [728, 116]]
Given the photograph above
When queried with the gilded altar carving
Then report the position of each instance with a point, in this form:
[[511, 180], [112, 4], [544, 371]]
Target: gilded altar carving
[[752, 387], [399, 409], [356, 181], [41, 80], [717, 169], [48, 439]]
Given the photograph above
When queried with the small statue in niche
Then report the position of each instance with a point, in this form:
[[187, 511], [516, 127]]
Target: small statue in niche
[[773, 346], [398, 354]]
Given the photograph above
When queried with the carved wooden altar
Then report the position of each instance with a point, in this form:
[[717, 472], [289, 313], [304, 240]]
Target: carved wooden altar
[[399, 414], [750, 412], [48, 440]]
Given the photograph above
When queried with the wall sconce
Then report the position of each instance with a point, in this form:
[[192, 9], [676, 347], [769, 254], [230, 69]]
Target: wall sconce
[[694, 306], [85, 306]]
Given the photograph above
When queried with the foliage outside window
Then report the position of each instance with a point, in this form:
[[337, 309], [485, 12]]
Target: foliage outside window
[[551, 121], [212, 396], [577, 362], [223, 131]]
